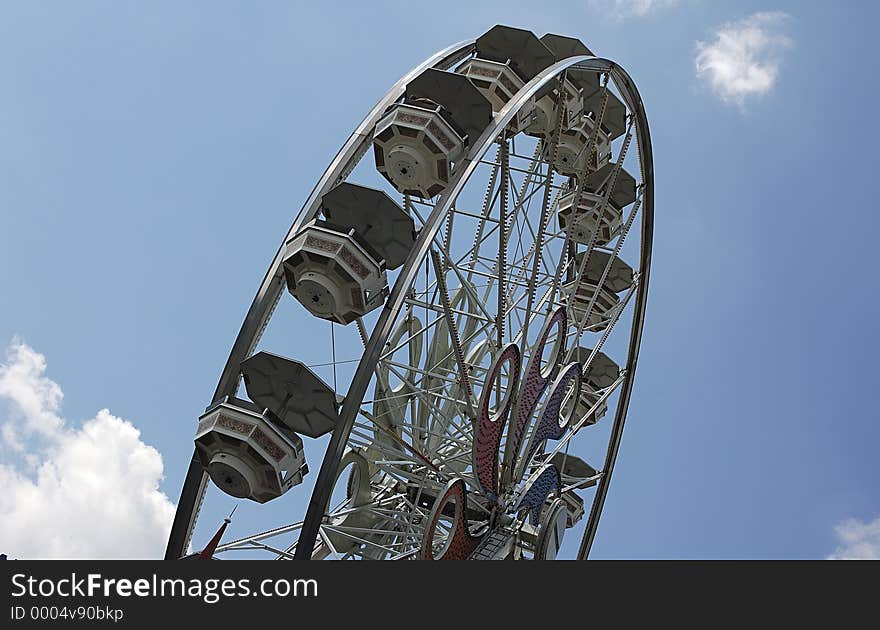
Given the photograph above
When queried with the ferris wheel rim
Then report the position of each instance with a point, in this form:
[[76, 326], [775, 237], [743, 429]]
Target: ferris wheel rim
[[646, 163]]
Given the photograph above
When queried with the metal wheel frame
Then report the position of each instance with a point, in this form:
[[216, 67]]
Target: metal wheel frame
[[272, 289]]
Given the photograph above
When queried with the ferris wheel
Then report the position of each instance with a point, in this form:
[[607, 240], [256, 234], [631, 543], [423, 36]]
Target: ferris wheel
[[481, 248]]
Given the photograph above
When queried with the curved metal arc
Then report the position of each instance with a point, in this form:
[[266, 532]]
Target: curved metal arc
[[336, 447], [272, 287], [646, 160]]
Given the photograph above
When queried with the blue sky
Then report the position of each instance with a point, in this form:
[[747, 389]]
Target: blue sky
[[152, 155]]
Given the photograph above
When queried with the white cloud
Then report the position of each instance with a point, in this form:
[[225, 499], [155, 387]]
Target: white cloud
[[36, 398], [631, 8], [857, 540], [87, 492], [743, 60]]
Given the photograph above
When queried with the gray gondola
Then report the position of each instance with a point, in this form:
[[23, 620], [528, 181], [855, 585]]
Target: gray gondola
[[375, 217], [297, 397]]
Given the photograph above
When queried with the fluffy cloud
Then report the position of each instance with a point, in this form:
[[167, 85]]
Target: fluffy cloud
[[857, 540], [743, 59], [87, 492], [631, 8]]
